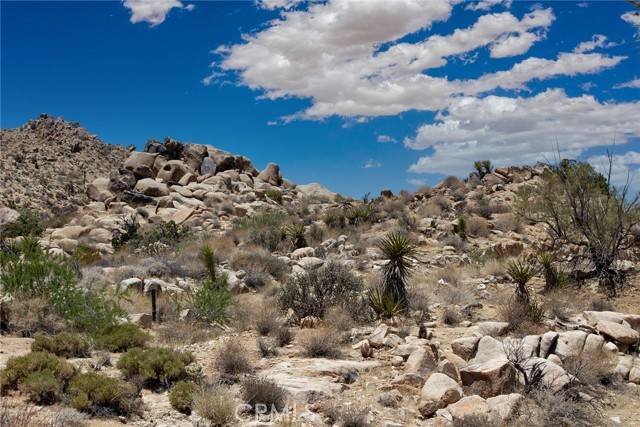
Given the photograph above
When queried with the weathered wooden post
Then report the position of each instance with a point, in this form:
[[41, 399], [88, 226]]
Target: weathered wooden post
[[153, 304]]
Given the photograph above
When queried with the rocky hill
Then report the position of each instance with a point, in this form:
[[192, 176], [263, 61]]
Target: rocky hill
[[47, 163]]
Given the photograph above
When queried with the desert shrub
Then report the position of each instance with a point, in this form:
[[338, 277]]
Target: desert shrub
[[328, 286], [211, 300], [40, 375], [262, 391], [84, 255], [63, 344], [482, 209], [28, 224], [181, 396], [520, 316], [454, 240], [266, 321], [167, 234], [101, 395], [563, 409], [320, 343], [155, 367], [339, 319], [275, 195], [129, 231], [591, 369], [601, 304], [231, 361], [215, 405], [256, 279], [28, 316], [394, 208], [450, 316], [283, 336], [183, 332], [452, 183], [554, 277], [360, 214], [508, 222], [349, 416], [266, 347], [42, 387], [27, 271], [335, 218], [122, 337], [460, 228], [262, 230], [259, 261], [28, 415], [477, 227], [581, 207], [450, 275], [315, 234]]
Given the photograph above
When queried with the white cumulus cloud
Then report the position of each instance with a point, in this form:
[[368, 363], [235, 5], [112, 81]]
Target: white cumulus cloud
[[633, 84], [152, 11], [520, 130]]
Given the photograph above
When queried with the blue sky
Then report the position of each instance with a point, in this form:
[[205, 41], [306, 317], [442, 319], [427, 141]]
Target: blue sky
[[358, 96]]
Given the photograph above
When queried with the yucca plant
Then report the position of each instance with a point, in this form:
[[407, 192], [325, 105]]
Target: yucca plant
[[521, 271], [385, 305], [208, 258], [461, 227], [295, 234], [400, 253], [551, 274]]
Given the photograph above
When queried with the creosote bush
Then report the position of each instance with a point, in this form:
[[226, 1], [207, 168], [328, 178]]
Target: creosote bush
[[101, 395], [122, 337], [155, 367], [328, 286], [42, 376], [28, 224], [63, 344], [181, 396]]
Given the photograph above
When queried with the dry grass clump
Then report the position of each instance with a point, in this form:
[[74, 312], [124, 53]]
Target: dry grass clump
[[546, 408], [450, 275], [476, 226], [262, 393], [450, 316], [183, 332], [26, 317], [320, 343], [601, 304], [284, 336], [215, 405], [232, 361], [431, 209], [349, 416], [494, 267], [259, 260], [454, 240], [591, 369], [267, 320], [339, 319], [522, 319], [28, 415], [508, 222], [267, 347], [454, 295]]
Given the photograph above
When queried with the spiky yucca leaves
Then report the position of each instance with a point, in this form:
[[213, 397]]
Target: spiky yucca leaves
[[399, 252], [295, 234], [553, 276], [384, 304], [208, 258], [521, 271]]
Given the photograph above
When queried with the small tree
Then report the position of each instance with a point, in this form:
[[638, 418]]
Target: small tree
[[483, 167], [581, 208], [399, 252]]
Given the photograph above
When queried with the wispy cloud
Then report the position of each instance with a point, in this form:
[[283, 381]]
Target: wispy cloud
[[633, 84], [385, 139], [372, 163]]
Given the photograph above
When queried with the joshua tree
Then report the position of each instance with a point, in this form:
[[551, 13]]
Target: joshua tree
[[483, 167], [399, 252]]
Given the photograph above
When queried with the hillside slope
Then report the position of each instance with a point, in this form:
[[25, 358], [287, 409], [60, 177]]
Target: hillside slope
[[46, 164]]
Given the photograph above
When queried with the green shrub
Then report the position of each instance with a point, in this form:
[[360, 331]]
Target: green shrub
[[483, 167], [328, 286], [262, 229], [29, 223], [211, 300], [275, 195], [63, 344], [42, 387], [130, 232], [122, 337], [28, 271], [155, 367], [385, 305], [99, 394], [181, 396], [42, 376]]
